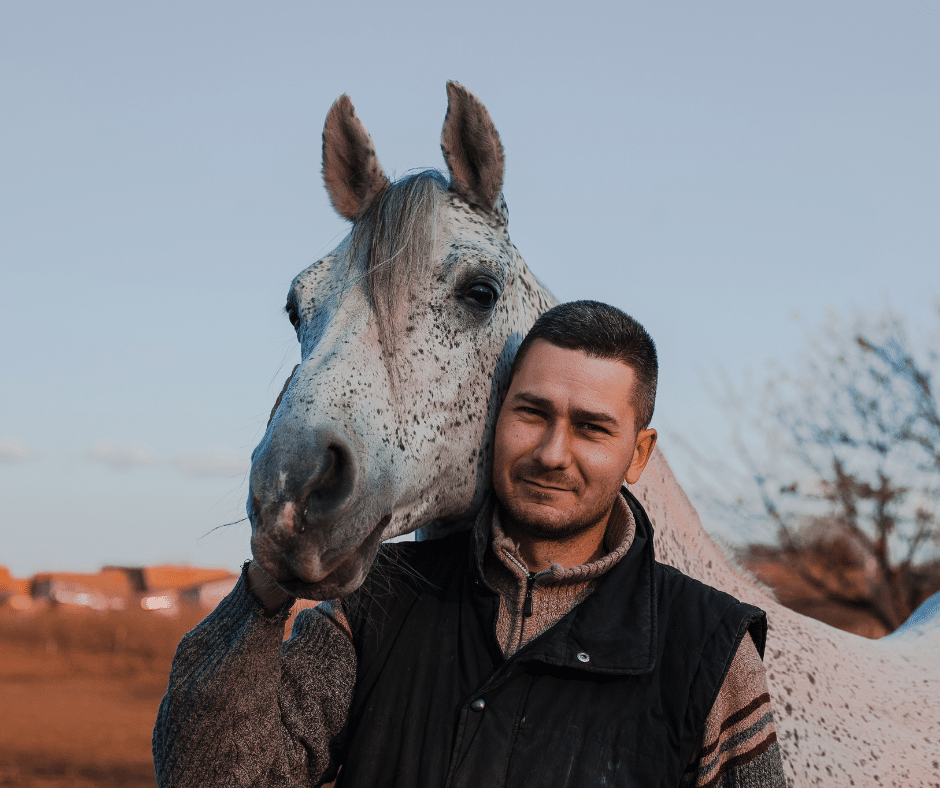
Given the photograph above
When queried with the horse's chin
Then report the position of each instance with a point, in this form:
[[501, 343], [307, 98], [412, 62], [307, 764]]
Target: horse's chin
[[292, 573], [343, 580]]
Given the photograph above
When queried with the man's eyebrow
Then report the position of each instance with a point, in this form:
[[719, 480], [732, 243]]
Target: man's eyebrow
[[577, 414], [587, 415]]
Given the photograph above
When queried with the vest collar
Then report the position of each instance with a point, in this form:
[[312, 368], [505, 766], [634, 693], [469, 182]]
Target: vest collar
[[615, 627]]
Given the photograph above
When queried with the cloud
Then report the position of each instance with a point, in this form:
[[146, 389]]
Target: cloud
[[214, 463], [121, 457], [11, 450], [200, 465]]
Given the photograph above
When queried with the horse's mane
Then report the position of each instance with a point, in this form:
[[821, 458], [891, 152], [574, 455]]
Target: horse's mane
[[396, 236]]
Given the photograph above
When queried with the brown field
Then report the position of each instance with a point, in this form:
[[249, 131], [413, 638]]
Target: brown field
[[79, 690], [79, 693]]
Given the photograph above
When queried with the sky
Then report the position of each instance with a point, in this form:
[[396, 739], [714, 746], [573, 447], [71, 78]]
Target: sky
[[726, 172]]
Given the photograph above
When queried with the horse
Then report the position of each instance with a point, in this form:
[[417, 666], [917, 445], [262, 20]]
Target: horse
[[407, 332]]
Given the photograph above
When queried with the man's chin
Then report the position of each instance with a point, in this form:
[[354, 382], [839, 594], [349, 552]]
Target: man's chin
[[541, 521], [552, 517]]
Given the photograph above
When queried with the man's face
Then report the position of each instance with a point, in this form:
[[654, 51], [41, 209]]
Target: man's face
[[565, 441]]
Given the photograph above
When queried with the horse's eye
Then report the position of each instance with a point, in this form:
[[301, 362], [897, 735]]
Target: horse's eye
[[482, 294], [292, 314]]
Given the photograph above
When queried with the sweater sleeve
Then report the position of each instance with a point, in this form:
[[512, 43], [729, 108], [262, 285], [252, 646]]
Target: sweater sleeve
[[243, 709], [739, 747]]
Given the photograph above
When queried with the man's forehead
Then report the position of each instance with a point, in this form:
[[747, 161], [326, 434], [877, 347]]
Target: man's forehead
[[544, 357], [555, 374]]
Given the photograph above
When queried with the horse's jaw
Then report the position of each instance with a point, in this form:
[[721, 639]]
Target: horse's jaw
[[313, 564]]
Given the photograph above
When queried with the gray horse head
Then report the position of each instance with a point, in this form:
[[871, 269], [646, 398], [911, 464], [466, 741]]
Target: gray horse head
[[407, 331]]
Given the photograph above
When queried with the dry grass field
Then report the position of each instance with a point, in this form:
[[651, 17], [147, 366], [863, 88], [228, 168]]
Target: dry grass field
[[79, 692], [79, 689]]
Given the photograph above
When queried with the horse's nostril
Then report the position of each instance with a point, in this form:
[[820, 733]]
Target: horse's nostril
[[328, 490], [306, 489], [331, 475]]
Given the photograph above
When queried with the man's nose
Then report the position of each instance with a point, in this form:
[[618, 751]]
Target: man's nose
[[554, 449]]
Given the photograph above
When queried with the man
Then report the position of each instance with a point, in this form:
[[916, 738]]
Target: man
[[544, 647]]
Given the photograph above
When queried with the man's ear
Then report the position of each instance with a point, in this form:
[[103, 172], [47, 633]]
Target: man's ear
[[645, 442]]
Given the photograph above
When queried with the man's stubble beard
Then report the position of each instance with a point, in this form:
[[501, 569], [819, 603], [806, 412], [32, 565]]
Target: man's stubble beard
[[516, 520]]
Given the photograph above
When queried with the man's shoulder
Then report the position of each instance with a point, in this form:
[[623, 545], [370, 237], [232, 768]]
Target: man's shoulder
[[689, 599], [402, 573], [411, 561], [451, 544], [678, 582]]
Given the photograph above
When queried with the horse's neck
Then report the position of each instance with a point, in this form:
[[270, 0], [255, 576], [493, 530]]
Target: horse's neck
[[681, 541]]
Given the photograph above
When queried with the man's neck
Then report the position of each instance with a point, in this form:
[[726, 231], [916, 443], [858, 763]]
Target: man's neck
[[540, 554]]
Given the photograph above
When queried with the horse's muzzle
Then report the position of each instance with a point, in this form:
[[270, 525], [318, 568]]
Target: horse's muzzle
[[305, 569]]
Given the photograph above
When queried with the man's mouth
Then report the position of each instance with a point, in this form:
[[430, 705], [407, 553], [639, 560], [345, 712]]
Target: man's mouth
[[544, 486]]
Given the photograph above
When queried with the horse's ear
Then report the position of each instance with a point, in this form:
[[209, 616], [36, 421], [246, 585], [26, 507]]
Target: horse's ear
[[472, 149], [351, 170]]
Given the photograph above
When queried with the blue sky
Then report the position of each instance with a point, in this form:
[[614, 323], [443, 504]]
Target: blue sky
[[726, 172]]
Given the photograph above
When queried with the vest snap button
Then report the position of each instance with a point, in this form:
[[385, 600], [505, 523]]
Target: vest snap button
[[478, 705], [583, 657]]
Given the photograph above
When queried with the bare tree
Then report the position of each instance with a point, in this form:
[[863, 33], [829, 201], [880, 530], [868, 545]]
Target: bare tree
[[843, 458]]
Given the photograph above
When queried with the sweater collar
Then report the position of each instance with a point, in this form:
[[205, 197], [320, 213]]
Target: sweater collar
[[617, 540], [613, 631]]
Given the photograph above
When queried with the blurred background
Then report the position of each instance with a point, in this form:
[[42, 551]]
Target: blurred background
[[759, 185]]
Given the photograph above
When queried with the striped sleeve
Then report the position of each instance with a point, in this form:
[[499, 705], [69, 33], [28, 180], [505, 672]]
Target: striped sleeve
[[739, 746]]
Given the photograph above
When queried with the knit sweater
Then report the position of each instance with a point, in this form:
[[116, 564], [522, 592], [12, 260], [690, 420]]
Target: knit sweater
[[243, 709]]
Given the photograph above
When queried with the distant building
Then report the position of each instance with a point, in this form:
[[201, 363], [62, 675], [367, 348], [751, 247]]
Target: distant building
[[161, 589], [208, 595], [179, 577], [170, 586], [109, 589], [14, 592]]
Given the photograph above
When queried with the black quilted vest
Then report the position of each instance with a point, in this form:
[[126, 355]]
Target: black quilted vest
[[615, 693]]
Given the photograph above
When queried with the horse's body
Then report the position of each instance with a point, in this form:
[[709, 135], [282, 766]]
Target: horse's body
[[849, 711], [407, 331]]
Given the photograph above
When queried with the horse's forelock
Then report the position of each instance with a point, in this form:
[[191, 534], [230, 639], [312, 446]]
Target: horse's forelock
[[396, 236]]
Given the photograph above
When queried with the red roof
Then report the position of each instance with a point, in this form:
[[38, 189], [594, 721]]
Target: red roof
[[113, 582], [179, 577], [10, 585]]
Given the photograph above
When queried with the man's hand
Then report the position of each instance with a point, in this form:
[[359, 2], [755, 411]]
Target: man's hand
[[269, 592]]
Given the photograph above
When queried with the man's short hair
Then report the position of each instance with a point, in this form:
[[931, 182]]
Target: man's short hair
[[601, 331]]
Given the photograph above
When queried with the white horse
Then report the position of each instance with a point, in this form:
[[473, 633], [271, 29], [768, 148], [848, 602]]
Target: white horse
[[407, 330]]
